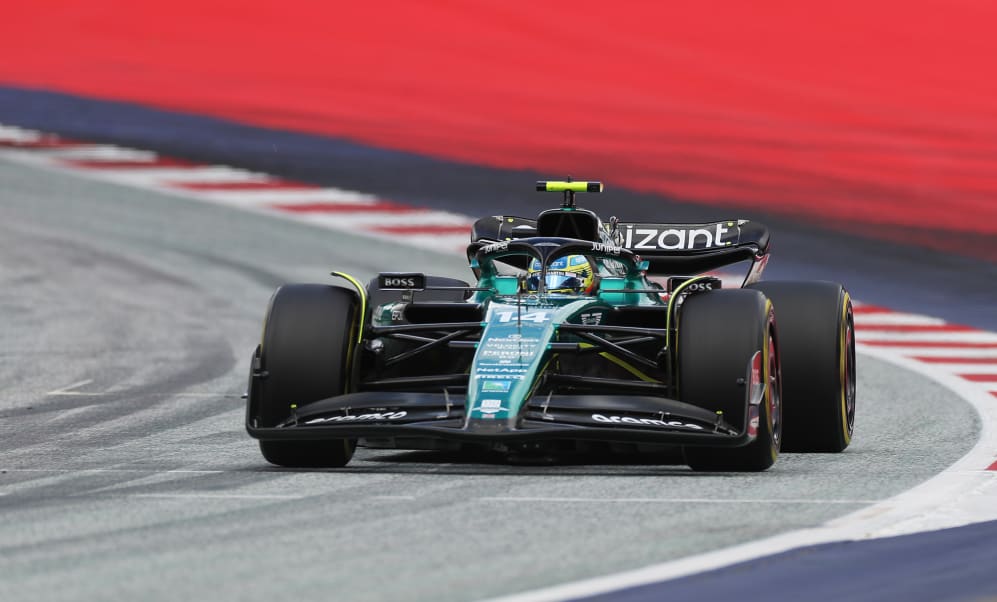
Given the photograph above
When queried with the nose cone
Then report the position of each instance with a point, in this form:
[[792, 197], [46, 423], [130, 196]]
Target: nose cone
[[510, 357]]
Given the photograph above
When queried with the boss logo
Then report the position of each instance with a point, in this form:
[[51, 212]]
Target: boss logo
[[700, 285], [401, 281]]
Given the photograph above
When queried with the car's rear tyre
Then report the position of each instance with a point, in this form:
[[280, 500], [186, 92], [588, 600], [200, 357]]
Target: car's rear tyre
[[817, 337], [308, 338], [719, 334]]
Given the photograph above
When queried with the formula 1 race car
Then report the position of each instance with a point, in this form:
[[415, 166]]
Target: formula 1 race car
[[577, 336]]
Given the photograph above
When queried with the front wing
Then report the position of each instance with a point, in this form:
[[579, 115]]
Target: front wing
[[613, 419]]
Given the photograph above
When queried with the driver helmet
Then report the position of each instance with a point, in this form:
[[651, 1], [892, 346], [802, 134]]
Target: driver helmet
[[568, 274]]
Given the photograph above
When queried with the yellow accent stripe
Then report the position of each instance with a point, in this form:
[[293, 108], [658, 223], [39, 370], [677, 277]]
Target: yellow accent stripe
[[628, 367], [542, 369], [674, 349], [842, 367], [674, 295], [363, 299], [559, 186], [668, 322], [622, 364], [358, 323]]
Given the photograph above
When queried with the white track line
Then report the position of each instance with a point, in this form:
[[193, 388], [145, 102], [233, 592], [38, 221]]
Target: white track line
[[945, 352], [288, 197], [99, 152], [16, 134], [653, 500], [863, 321], [913, 338], [218, 496], [83, 471], [418, 218]]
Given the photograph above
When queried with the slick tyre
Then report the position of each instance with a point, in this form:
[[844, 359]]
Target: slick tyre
[[817, 336], [719, 334], [308, 336]]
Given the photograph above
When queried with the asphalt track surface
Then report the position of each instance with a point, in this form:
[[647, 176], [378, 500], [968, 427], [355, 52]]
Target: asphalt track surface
[[128, 320]]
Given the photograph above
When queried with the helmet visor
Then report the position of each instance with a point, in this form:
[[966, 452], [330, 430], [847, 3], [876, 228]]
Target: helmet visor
[[558, 281]]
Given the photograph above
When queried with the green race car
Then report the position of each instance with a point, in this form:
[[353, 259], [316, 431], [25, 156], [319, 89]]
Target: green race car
[[577, 336]]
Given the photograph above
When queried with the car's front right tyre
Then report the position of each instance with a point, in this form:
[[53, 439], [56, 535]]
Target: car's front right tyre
[[308, 337]]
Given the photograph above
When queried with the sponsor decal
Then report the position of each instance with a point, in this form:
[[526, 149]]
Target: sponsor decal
[[601, 247], [500, 376], [401, 281], [496, 386], [645, 421], [593, 319], [510, 346], [699, 286], [490, 406], [753, 421], [507, 350], [505, 357], [670, 239], [495, 247], [361, 417], [537, 317], [499, 369]]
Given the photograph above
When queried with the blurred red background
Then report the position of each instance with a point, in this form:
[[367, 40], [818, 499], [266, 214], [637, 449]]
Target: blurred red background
[[850, 111]]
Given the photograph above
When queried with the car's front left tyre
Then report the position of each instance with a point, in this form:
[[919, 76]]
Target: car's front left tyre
[[719, 334]]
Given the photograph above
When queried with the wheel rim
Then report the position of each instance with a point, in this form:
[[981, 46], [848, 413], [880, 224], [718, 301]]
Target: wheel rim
[[850, 379], [775, 392]]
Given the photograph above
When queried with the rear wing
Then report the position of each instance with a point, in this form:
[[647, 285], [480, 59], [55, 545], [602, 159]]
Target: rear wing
[[672, 249], [695, 248]]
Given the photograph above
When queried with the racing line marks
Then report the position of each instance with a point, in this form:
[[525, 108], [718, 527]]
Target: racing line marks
[[327, 207], [69, 389]]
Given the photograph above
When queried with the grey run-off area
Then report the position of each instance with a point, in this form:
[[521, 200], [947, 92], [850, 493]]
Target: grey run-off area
[[126, 323]]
